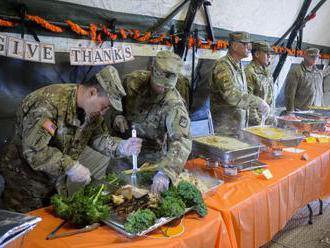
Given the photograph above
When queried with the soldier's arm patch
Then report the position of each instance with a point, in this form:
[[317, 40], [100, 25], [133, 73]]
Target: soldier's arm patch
[[183, 122], [49, 126]]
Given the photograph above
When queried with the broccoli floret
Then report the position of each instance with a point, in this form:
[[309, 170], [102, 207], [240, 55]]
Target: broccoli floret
[[140, 220], [171, 192], [61, 206], [171, 207], [83, 207], [145, 177], [192, 197]]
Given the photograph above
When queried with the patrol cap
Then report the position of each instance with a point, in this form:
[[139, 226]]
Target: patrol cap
[[109, 80], [165, 70], [312, 52], [240, 36], [262, 46]]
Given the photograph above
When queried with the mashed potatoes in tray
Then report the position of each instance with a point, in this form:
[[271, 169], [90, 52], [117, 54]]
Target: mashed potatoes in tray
[[224, 143], [320, 107], [270, 133]]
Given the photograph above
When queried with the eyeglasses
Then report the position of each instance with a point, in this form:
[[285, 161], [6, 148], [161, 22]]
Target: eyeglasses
[[246, 44]]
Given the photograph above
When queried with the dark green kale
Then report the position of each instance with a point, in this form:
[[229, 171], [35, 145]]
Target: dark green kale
[[192, 197], [140, 220], [171, 192], [171, 207]]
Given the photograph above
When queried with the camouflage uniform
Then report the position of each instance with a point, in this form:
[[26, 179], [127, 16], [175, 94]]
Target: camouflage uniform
[[229, 97], [49, 139], [303, 88], [161, 121], [183, 87], [259, 81]]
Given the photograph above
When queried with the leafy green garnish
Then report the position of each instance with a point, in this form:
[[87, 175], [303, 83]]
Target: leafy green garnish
[[140, 220], [84, 207]]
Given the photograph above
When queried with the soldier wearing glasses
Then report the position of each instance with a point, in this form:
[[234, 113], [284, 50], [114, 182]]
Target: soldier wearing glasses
[[230, 99]]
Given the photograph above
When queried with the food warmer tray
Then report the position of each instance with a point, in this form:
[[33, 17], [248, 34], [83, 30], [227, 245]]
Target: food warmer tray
[[294, 140], [227, 157]]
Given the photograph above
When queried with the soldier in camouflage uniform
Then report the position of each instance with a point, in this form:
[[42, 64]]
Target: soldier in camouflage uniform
[[230, 100], [304, 83], [183, 86], [54, 125], [259, 78], [156, 109]]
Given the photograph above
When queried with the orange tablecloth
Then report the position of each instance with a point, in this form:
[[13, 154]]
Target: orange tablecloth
[[255, 209], [199, 232]]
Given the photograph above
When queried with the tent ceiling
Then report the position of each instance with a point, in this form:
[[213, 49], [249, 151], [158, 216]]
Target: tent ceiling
[[267, 18]]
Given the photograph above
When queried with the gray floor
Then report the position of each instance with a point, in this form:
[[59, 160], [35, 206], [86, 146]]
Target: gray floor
[[299, 234]]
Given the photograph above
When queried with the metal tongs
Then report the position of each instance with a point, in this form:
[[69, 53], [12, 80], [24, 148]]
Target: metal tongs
[[87, 228], [134, 159]]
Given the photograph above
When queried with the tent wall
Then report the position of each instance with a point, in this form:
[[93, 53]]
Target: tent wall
[[265, 20]]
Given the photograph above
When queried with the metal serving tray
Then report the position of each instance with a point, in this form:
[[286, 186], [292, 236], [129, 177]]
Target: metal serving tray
[[303, 125], [294, 140], [113, 222], [323, 112], [227, 156], [121, 229]]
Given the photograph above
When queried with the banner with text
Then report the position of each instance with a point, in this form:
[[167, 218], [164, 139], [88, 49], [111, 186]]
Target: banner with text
[[27, 50], [100, 56]]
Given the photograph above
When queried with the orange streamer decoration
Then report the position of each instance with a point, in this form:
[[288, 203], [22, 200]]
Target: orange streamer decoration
[[45, 24], [76, 28], [123, 33], [109, 34], [99, 38], [204, 45], [176, 39], [191, 42], [145, 37], [167, 43], [93, 29], [4, 23], [157, 40]]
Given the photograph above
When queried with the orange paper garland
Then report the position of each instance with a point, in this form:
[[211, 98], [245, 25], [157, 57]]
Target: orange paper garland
[[4, 23], [76, 28], [45, 24], [135, 34]]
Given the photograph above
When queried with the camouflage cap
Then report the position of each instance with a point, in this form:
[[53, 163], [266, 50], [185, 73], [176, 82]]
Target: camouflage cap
[[166, 68], [262, 46], [109, 79], [312, 52], [240, 37]]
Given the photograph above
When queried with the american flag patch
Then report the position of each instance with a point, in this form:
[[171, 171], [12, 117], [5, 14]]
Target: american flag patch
[[49, 126]]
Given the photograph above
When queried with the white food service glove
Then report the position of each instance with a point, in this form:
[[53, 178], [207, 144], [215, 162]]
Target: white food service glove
[[129, 147], [79, 173], [264, 108], [160, 183]]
